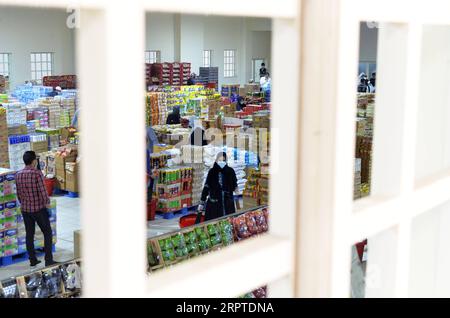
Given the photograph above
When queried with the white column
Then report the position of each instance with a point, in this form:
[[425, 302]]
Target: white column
[[284, 151], [110, 51], [327, 123]]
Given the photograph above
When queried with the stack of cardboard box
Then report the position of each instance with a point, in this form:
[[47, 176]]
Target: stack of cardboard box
[[64, 155]]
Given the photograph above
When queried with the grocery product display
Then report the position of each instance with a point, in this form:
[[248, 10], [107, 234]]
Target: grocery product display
[[363, 150], [12, 227], [61, 281], [175, 247], [33, 119]]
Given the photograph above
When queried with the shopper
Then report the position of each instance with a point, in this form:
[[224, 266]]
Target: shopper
[[198, 137], [75, 118], [265, 80], [373, 80], [152, 139], [57, 91], [363, 87], [217, 198], [262, 70], [174, 117], [34, 202], [191, 80]]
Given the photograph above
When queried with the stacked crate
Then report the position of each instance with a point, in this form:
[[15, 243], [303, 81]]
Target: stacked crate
[[162, 72], [211, 74], [185, 72]]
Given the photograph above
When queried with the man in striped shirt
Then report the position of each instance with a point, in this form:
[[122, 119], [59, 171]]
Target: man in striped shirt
[[34, 203]]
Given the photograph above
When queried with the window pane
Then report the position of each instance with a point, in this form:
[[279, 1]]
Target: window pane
[[32, 57], [38, 57]]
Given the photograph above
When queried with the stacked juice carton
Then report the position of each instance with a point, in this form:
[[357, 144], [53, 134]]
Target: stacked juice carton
[[4, 155], [54, 114], [9, 210]]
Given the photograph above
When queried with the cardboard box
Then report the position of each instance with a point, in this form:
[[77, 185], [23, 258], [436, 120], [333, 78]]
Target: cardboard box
[[71, 177], [60, 169], [17, 130], [39, 146]]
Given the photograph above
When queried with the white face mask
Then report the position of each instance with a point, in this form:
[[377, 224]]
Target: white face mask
[[221, 164]]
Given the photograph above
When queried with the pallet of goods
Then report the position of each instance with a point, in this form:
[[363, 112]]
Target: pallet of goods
[[172, 248], [228, 90], [12, 228], [4, 141], [156, 108], [210, 74]]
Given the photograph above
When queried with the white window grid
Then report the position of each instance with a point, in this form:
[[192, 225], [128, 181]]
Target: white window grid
[[229, 63], [41, 65], [152, 56], [5, 64], [293, 263], [207, 57]]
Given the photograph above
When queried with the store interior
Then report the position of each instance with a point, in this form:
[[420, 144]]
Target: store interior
[[208, 92]]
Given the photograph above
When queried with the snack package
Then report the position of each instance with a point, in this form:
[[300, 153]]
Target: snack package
[[251, 223], [34, 285], [241, 228], [226, 230], [71, 276], [179, 244], [261, 222]]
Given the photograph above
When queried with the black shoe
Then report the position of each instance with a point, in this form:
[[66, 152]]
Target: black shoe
[[34, 263], [51, 263]]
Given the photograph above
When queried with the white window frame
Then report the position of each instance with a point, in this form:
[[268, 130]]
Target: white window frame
[[229, 63], [5, 64], [153, 56], [307, 250], [207, 58], [42, 64]]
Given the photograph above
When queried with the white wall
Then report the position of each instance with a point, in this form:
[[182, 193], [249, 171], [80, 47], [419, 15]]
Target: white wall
[[430, 259], [251, 37], [23, 31], [159, 35], [368, 39]]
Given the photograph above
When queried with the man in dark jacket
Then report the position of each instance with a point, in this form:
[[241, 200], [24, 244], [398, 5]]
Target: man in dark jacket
[[217, 198], [174, 117]]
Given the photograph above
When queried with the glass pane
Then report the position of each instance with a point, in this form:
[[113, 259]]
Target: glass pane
[[38, 67], [32, 57], [49, 66], [38, 57]]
